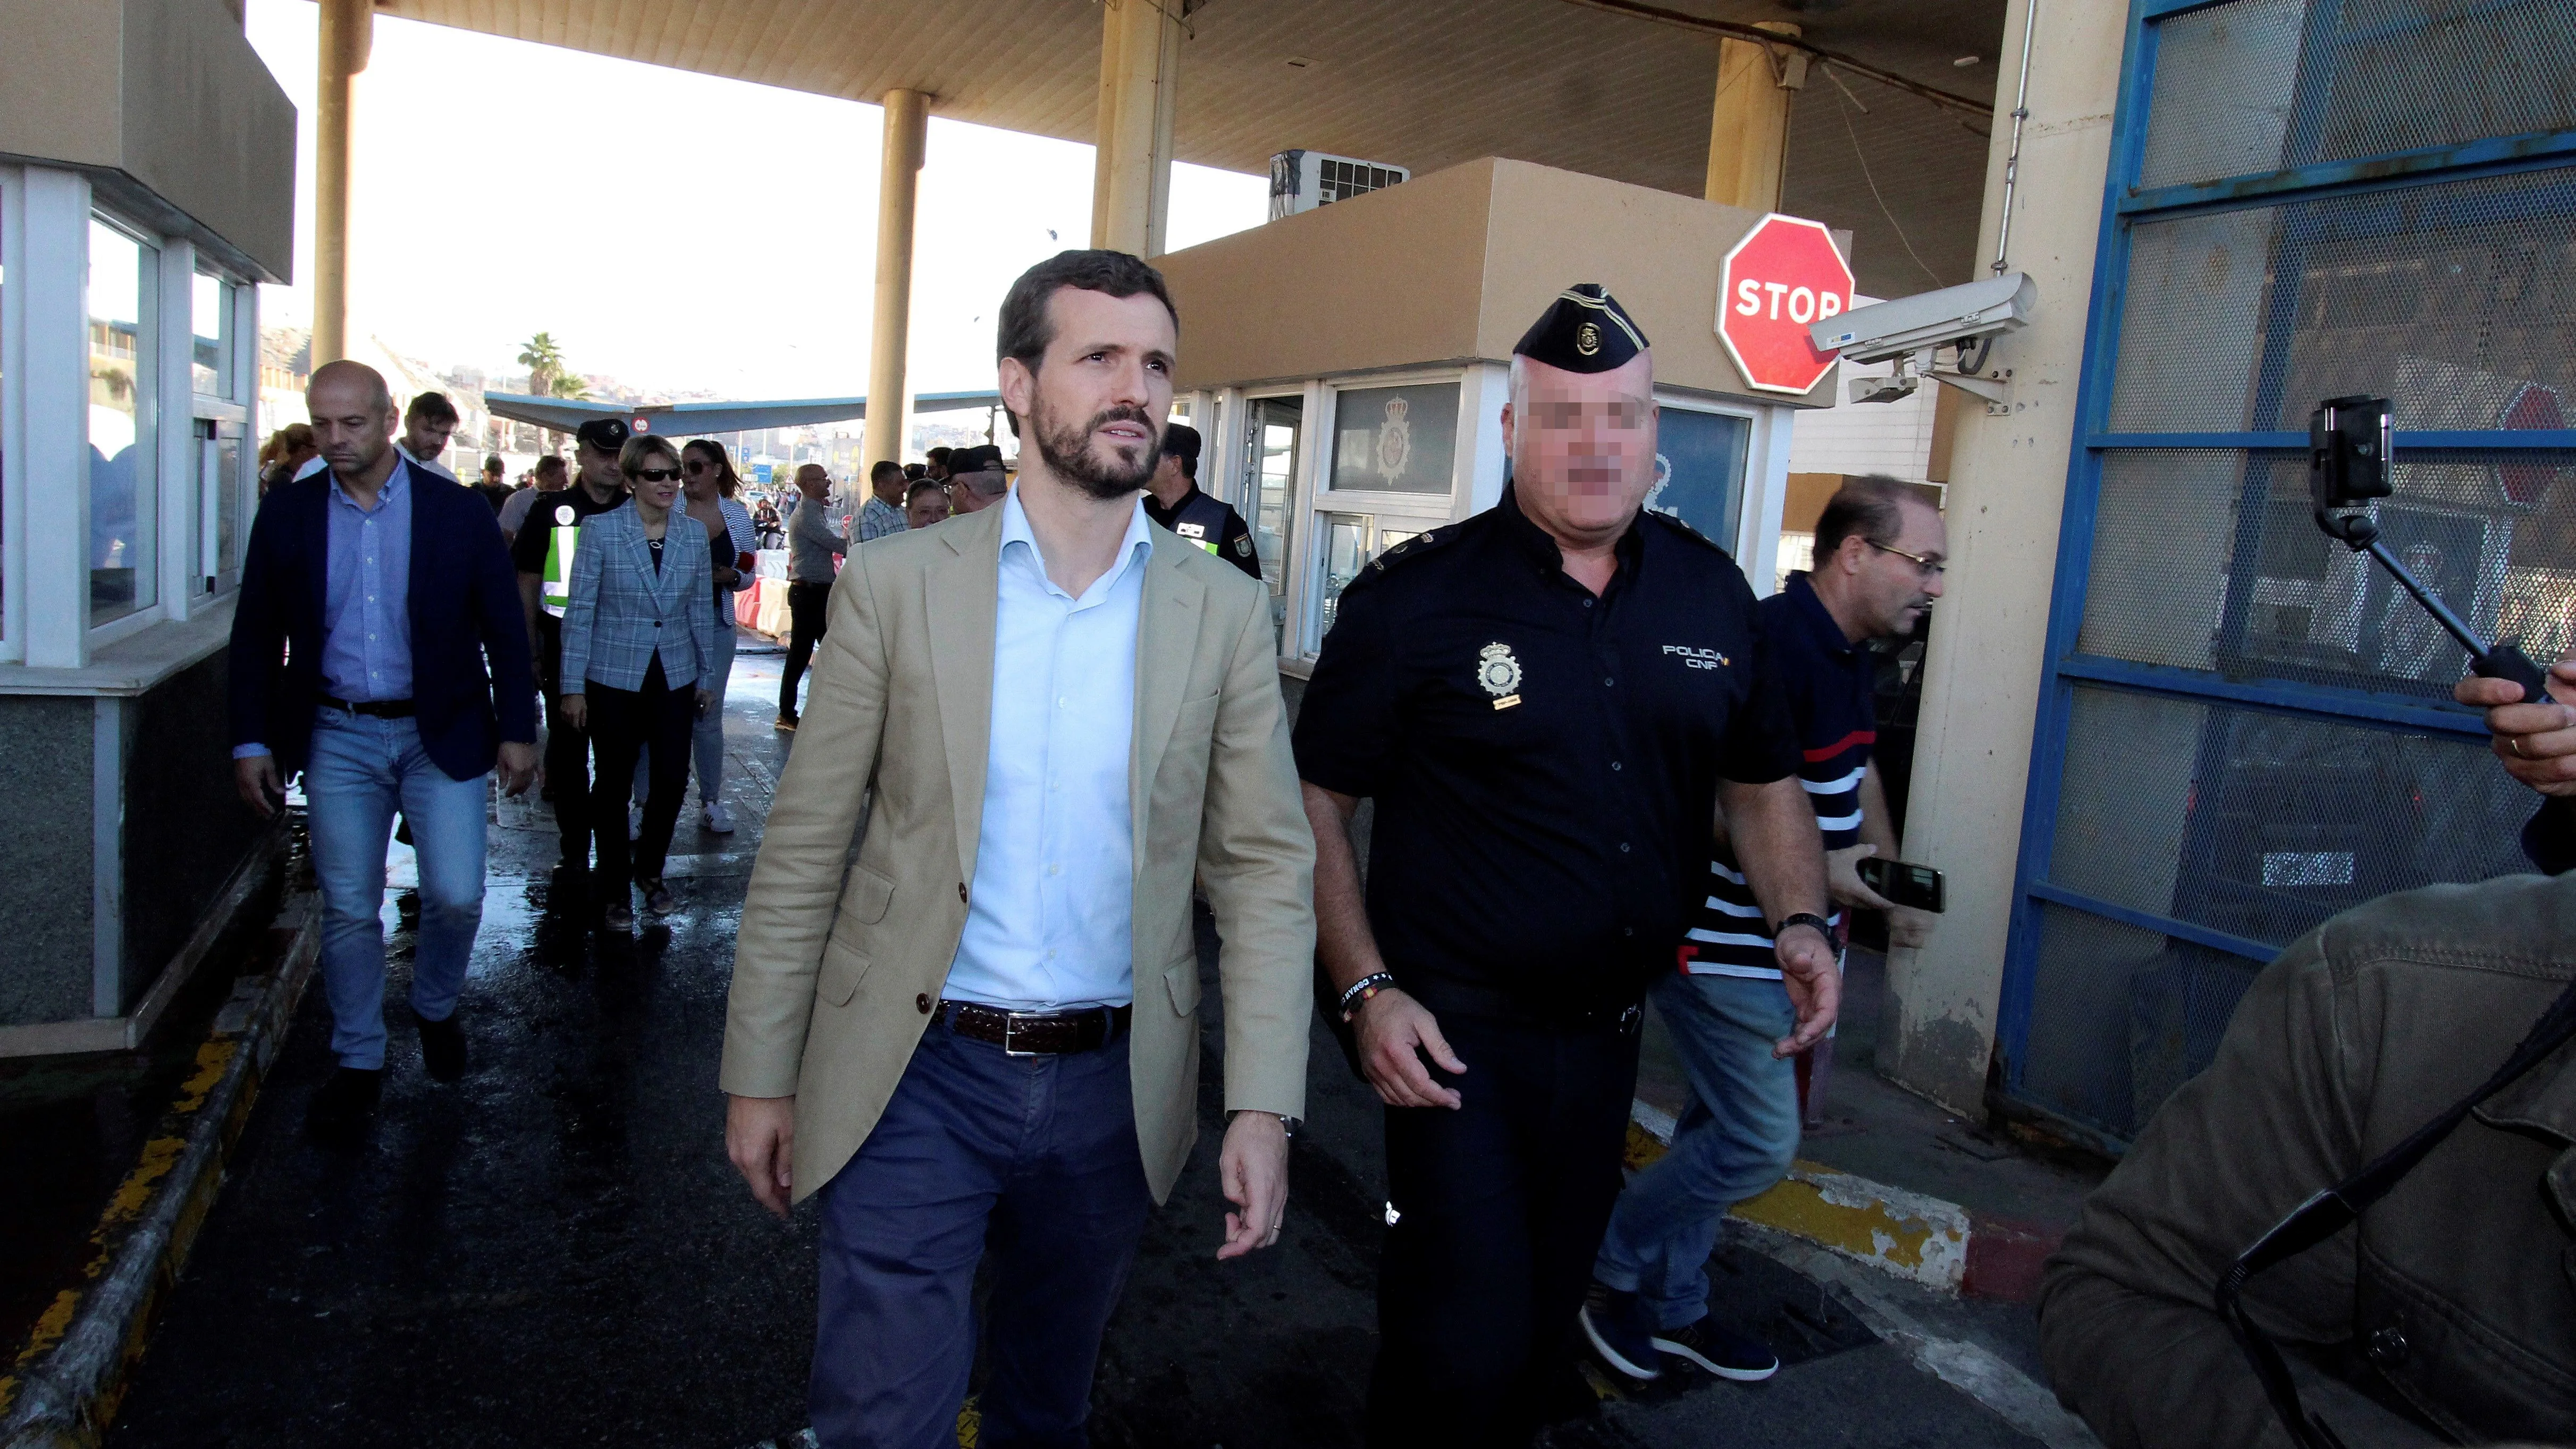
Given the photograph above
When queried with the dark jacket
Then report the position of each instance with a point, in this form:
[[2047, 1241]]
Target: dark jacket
[[2453, 1299], [464, 611]]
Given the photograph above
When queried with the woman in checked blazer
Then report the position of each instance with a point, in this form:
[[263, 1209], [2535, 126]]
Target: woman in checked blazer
[[639, 651]]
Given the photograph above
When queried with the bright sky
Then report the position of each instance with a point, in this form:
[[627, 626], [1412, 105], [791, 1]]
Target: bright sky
[[675, 231]]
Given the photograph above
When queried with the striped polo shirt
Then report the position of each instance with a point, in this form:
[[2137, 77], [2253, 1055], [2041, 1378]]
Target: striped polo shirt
[[1831, 687]]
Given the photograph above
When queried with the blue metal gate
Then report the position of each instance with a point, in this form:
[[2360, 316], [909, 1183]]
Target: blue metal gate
[[2239, 732]]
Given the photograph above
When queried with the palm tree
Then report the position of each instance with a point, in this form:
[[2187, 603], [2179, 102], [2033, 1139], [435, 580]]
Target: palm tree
[[572, 387], [544, 360]]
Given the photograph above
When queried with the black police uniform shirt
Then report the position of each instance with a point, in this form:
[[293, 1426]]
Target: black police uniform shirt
[[1831, 687], [528, 554], [1545, 763], [1208, 523]]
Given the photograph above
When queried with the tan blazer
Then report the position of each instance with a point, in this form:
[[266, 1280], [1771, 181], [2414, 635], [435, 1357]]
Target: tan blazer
[[838, 961]]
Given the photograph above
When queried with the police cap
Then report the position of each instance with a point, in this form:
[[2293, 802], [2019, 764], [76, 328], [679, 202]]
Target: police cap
[[606, 434], [1583, 330]]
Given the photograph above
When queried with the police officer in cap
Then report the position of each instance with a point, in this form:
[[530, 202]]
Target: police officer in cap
[[1173, 499], [542, 553], [1550, 703]]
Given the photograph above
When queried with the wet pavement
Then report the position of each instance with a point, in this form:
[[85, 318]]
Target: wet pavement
[[554, 1249]]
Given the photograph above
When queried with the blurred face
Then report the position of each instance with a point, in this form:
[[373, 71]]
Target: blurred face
[[813, 482], [598, 468], [554, 479], [700, 473], [1889, 592], [656, 481], [1094, 405], [963, 499], [1582, 447], [889, 487], [927, 507], [426, 438], [353, 423]]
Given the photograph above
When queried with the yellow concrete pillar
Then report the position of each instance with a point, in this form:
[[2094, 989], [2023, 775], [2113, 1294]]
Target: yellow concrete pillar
[[1748, 131], [1131, 177], [889, 426], [348, 34]]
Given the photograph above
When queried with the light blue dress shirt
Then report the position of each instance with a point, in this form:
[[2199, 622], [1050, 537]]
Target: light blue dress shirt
[[366, 599], [1048, 924]]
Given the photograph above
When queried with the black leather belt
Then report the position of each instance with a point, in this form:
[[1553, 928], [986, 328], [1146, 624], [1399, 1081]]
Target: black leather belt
[[379, 708], [1037, 1033]]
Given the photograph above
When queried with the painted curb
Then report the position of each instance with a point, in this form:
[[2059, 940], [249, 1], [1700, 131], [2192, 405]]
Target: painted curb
[[1908, 1235], [64, 1388]]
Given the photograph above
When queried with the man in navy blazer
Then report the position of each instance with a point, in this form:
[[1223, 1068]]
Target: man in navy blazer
[[378, 647]]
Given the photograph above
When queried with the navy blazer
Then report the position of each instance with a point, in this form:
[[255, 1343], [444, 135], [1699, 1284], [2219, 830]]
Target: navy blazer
[[464, 610]]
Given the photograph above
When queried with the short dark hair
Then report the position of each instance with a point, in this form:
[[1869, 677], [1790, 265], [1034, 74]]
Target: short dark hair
[[921, 486], [1181, 441], [550, 463], [433, 406], [1869, 506], [938, 455], [1027, 329], [883, 467], [492, 463]]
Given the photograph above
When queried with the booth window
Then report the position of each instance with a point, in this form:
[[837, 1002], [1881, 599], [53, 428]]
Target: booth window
[[1395, 439], [1349, 541], [124, 505], [1700, 459], [216, 311], [1270, 481]]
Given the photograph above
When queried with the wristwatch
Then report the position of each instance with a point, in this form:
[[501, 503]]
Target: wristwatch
[[1288, 1126], [1823, 927]]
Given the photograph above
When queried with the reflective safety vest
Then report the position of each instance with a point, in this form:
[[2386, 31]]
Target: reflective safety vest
[[1201, 520], [565, 534]]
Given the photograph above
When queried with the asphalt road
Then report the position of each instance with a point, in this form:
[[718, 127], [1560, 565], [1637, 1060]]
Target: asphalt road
[[555, 1251]]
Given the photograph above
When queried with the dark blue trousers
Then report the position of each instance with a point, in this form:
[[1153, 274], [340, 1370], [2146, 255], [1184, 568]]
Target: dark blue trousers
[[1033, 1157]]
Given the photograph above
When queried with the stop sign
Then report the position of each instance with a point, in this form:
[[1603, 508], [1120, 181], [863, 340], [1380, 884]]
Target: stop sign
[[1784, 275]]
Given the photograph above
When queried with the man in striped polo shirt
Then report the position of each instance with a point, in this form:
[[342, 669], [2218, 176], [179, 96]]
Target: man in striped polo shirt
[[1880, 549]]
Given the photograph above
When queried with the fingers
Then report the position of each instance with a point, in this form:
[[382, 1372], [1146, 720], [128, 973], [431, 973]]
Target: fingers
[[1815, 989], [2485, 693], [1438, 1046]]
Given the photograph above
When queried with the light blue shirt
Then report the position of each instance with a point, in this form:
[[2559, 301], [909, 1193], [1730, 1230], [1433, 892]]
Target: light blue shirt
[[366, 598], [1048, 926]]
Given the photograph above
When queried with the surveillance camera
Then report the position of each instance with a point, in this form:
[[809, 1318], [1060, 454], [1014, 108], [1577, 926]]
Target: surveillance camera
[[1916, 324]]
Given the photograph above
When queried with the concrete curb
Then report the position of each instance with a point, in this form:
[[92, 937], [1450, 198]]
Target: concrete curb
[[64, 1388], [1921, 1239]]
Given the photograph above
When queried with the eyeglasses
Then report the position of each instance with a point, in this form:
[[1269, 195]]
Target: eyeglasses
[[1928, 568], [656, 475]]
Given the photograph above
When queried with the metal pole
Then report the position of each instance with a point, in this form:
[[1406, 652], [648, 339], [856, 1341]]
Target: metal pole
[[2012, 157]]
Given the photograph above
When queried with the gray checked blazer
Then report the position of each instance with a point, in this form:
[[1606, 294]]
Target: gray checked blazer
[[622, 613]]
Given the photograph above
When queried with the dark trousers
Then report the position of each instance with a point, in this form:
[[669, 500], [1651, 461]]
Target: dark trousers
[[568, 777], [1500, 1208], [622, 723], [1036, 1156], [808, 619]]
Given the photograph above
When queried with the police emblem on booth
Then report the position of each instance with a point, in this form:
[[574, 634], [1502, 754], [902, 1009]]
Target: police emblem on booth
[[1500, 674], [1394, 441]]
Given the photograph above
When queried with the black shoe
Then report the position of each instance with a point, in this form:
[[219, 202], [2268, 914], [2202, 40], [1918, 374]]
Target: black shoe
[[1617, 1326], [345, 1105], [1714, 1348], [442, 1049]]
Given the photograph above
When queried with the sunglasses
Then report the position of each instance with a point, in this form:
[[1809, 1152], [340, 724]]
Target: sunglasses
[[698, 465], [656, 475]]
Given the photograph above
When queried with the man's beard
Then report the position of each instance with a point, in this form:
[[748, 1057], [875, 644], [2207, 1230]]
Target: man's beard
[[1068, 454]]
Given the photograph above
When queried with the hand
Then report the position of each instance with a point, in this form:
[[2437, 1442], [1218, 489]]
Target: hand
[[255, 780], [706, 697], [1815, 986], [760, 1137], [1907, 926], [726, 578], [2537, 742], [1395, 1031], [575, 710], [518, 767], [1843, 882], [1253, 1166]]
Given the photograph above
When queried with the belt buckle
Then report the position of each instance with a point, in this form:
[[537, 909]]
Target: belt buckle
[[1010, 1024]]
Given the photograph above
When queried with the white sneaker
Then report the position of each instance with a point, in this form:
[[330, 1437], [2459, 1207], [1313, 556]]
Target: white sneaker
[[719, 819]]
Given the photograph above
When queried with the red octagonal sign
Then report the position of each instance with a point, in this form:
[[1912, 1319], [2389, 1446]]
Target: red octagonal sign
[[1784, 275]]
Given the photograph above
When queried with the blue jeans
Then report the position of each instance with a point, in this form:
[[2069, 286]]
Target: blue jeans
[[1036, 1156], [1734, 1141], [363, 769]]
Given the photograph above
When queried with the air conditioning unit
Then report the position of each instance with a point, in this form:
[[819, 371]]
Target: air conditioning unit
[[1304, 180]]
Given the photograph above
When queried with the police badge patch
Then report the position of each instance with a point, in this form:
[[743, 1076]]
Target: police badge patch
[[1243, 546], [1500, 674]]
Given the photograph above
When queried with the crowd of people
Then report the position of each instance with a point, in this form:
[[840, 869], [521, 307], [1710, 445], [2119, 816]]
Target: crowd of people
[[1046, 710]]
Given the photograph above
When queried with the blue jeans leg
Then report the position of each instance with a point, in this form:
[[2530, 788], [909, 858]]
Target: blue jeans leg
[[447, 818], [707, 735], [1734, 1141], [350, 789]]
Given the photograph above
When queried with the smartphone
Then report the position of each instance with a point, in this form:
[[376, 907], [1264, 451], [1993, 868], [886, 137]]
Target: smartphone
[[1906, 884]]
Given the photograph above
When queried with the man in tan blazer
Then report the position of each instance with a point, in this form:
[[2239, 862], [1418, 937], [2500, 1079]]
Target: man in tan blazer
[[989, 1018]]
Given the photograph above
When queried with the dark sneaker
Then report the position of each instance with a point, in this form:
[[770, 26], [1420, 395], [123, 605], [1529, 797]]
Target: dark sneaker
[[345, 1105], [658, 900], [1620, 1332], [1717, 1349], [617, 916], [442, 1049]]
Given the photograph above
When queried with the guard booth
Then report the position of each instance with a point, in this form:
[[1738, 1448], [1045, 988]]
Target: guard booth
[[1347, 366], [2243, 730]]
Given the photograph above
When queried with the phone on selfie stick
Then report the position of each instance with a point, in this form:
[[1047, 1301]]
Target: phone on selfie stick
[[1902, 883], [2351, 448]]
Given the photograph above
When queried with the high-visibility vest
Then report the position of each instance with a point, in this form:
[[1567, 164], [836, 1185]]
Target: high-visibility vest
[[564, 535]]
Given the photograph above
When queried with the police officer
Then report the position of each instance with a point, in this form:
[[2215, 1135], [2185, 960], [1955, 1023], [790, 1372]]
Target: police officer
[[1548, 702], [1173, 499], [542, 553]]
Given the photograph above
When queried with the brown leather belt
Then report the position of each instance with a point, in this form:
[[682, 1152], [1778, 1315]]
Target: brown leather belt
[[1037, 1033]]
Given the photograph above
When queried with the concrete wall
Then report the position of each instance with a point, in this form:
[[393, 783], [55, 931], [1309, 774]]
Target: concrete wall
[[1455, 266], [45, 855], [185, 831], [2007, 491], [168, 107]]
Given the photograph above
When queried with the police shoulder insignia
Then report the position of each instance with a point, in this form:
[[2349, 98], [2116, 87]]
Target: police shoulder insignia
[[1243, 546], [1675, 523]]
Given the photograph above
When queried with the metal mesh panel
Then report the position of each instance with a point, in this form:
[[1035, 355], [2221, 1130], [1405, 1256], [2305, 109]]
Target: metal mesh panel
[[2262, 825], [2451, 300], [2257, 86], [2182, 576], [2121, 1017]]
